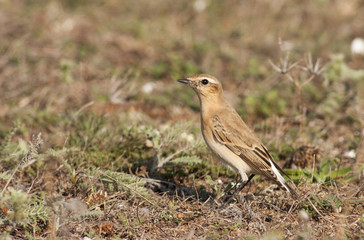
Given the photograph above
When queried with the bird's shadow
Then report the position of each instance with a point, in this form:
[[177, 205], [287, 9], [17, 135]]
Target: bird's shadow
[[160, 186], [203, 196]]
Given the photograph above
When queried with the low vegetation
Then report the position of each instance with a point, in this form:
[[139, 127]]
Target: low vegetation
[[98, 140]]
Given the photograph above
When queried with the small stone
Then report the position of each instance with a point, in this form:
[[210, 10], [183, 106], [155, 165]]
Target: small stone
[[148, 143], [357, 46], [350, 154], [304, 215]]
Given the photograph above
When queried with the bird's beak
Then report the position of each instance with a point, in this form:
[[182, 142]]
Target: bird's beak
[[185, 81]]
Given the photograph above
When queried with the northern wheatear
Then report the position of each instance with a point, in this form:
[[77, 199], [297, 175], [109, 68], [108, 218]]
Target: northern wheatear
[[227, 135]]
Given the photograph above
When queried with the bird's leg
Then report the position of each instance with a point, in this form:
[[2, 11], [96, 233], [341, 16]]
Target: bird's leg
[[243, 184], [237, 180]]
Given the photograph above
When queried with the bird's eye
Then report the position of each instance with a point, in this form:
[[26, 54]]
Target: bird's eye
[[205, 81]]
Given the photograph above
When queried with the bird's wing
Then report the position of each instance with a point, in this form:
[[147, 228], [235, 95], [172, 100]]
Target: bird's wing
[[236, 136], [249, 148]]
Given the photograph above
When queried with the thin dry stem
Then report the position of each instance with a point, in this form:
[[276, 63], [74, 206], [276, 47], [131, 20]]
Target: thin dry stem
[[32, 153]]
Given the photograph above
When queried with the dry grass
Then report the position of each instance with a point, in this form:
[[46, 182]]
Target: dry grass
[[97, 79]]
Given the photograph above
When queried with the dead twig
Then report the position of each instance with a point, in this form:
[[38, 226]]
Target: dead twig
[[318, 212]]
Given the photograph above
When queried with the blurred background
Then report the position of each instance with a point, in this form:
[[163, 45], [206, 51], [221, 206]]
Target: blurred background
[[294, 70], [57, 55], [112, 57]]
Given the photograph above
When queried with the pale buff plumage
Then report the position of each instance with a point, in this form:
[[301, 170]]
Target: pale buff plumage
[[227, 135]]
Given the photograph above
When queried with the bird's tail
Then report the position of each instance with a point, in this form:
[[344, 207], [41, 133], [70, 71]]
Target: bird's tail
[[288, 185]]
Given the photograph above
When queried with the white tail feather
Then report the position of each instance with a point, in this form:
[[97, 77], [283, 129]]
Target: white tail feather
[[279, 176]]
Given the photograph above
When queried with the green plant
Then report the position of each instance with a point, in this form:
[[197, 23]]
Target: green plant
[[115, 181], [171, 137], [66, 70], [329, 170], [29, 158], [22, 208], [4, 146], [217, 187]]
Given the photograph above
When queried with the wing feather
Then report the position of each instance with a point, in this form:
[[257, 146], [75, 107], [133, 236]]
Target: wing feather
[[243, 143]]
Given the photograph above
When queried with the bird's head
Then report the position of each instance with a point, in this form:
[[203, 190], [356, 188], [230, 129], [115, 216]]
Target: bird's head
[[206, 86]]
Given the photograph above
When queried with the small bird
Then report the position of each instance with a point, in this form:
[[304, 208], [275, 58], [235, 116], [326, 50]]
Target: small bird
[[227, 135]]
